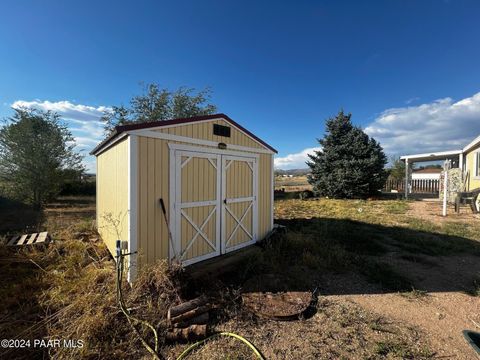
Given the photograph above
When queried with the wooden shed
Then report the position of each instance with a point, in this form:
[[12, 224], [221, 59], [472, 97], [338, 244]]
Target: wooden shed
[[214, 176]]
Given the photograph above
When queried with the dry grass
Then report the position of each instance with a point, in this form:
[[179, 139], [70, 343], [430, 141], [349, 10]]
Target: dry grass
[[296, 183], [69, 291], [73, 296]]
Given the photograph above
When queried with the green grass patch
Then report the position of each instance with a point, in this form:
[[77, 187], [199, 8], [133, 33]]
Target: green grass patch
[[396, 207]]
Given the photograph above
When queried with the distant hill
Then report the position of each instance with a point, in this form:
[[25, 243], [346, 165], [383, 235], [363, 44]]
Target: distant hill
[[294, 172]]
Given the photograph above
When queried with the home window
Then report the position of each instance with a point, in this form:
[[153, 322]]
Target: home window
[[477, 163]]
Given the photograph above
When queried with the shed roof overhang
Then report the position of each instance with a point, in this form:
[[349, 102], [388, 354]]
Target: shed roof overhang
[[475, 142], [434, 156], [122, 130]]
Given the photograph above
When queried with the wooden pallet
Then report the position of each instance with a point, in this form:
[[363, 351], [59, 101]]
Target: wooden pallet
[[29, 239]]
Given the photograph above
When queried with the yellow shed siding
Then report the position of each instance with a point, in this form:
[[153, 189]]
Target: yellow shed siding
[[204, 131], [473, 181], [153, 182], [112, 194]]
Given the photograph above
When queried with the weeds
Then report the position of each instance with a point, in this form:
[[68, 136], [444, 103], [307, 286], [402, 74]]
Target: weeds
[[415, 294], [475, 290], [397, 207], [401, 350]]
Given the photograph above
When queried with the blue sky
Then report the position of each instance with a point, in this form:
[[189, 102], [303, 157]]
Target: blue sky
[[407, 70]]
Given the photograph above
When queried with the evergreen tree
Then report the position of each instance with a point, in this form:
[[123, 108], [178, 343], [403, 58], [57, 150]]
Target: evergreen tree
[[350, 163]]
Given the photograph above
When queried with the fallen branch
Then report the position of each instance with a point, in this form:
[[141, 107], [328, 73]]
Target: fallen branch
[[38, 266]]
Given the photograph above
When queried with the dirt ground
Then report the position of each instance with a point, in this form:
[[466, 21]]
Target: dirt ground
[[437, 312], [431, 210], [396, 281], [441, 304], [441, 316], [440, 313]]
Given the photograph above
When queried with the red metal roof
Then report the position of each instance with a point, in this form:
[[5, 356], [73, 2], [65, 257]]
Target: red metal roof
[[123, 128]]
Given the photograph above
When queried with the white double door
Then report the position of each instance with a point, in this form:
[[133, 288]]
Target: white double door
[[215, 204]]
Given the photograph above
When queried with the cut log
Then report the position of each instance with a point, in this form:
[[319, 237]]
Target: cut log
[[190, 314], [186, 306], [194, 332], [201, 319]]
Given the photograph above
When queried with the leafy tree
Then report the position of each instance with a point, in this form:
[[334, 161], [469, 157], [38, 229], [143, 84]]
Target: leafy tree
[[350, 163], [156, 104], [36, 156], [397, 171]]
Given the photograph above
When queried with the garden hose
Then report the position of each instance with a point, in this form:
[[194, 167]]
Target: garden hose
[[154, 351], [238, 337], [131, 319]]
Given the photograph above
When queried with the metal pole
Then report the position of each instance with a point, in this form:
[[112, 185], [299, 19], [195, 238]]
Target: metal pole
[[445, 186], [406, 178]]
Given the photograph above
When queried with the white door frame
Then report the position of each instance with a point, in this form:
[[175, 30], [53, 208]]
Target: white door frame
[[178, 206], [175, 176], [225, 202]]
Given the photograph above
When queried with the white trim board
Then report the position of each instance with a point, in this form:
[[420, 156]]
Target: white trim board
[[209, 120], [121, 137], [472, 144], [239, 246], [253, 199], [215, 150], [176, 206], [132, 144], [189, 140], [431, 156], [476, 173], [176, 153]]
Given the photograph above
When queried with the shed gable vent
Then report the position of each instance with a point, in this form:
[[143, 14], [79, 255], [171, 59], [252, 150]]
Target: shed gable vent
[[221, 130]]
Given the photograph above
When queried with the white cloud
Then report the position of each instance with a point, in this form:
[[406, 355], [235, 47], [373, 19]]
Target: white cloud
[[440, 125], [83, 121], [412, 100], [295, 161], [64, 108]]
